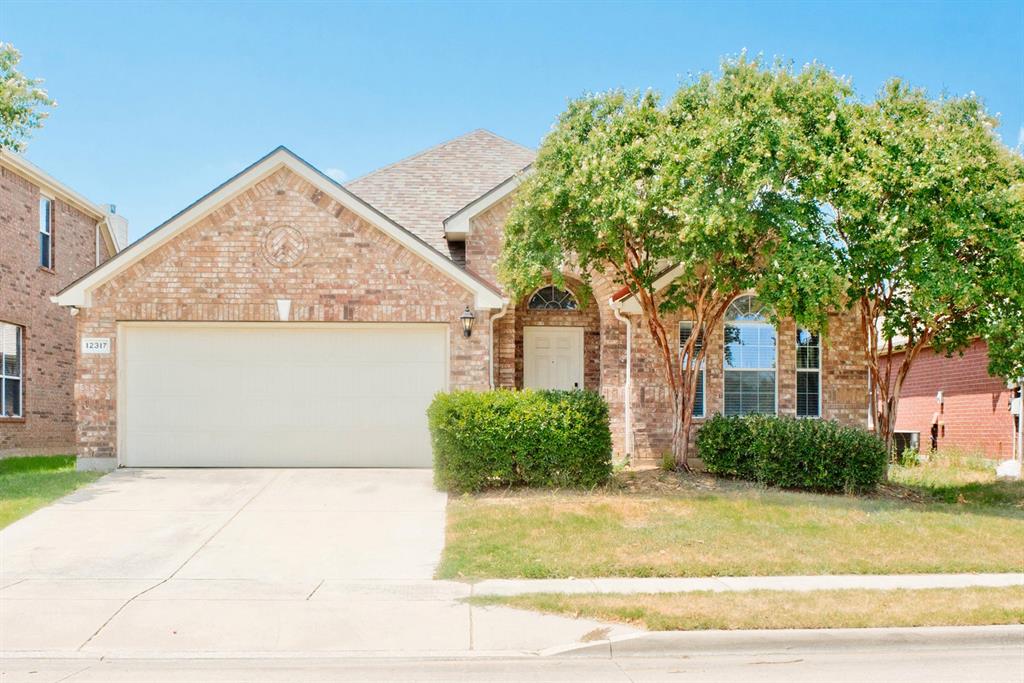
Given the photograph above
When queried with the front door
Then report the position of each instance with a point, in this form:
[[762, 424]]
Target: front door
[[553, 357]]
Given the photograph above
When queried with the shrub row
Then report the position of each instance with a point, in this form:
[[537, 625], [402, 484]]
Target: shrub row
[[817, 455], [512, 438]]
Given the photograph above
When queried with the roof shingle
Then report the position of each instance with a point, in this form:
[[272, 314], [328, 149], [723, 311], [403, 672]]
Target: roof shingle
[[419, 192]]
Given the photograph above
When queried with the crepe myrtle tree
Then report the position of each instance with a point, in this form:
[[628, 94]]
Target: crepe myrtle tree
[[21, 101], [924, 208], [709, 184], [1005, 339]]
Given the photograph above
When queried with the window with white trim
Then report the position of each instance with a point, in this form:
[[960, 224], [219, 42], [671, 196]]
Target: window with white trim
[[552, 298], [808, 374], [11, 385], [750, 356], [46, 232], [685, 330]]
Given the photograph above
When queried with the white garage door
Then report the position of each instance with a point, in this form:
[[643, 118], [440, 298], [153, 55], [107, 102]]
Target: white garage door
[[280, 395]]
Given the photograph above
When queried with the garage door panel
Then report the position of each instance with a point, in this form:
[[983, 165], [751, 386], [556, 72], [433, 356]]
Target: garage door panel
[[252, 395]]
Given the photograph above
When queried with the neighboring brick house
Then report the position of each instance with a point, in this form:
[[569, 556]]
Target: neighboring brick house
[[956, 406], [49, 236], [285, 319]]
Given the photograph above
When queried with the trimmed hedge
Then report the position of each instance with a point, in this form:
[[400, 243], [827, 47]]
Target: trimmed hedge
[[520, 438], [817, 455]]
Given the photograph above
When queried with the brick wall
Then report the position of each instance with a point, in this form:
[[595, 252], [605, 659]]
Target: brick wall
[[483, 245], [843, 379], [49, 331], [216, 270], [974, 417]]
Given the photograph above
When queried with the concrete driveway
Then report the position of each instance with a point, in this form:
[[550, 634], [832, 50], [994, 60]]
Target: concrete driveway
[[233, 562]]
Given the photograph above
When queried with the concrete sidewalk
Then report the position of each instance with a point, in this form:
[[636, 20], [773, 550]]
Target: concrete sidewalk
[[507, 587]]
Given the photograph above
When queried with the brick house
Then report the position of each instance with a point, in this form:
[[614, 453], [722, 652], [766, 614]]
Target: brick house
[[954, 405], [284, 319], [50, 235]]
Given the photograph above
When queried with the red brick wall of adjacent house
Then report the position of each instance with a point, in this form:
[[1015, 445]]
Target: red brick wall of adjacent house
[[843, 380], [215, 271], [974, 416], [49, 344]]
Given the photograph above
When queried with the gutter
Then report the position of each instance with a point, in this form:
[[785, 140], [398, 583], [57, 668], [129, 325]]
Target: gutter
[[627, 389]]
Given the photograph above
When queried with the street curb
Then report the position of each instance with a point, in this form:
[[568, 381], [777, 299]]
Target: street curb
[[788, 641]]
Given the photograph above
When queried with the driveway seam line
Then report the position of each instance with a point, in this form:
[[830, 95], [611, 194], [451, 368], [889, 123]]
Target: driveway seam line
[[12, 585], [313, 592], [75, 673], [182, 565], [469, 604]]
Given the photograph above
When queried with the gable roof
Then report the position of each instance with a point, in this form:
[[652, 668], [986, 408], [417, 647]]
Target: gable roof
[[79, 292], [51, 186], [423, 190]]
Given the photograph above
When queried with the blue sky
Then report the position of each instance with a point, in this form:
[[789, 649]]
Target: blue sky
[[158, 103]]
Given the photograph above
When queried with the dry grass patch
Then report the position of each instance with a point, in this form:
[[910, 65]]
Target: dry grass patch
[[658, 524], [782, 609]]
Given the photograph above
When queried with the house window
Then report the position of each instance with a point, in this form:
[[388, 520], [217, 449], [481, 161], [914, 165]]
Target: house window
[[808, 374], [685, 330], [552, 298], [750, 359], [46, 233], [10, 371]]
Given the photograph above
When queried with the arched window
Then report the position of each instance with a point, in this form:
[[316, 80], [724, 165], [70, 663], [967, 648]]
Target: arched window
[[749, 359], [552, 298]]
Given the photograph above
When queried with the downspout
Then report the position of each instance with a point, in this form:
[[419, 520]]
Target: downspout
[[1020, 423], [627, 389], [501, 314]]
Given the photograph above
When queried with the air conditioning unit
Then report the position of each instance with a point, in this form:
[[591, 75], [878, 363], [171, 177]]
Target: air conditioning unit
[[904, 440]]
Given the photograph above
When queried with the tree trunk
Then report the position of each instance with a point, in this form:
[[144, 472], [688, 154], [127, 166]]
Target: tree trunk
[[886, 389]]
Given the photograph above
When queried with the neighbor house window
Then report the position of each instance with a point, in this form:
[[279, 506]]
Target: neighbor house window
[[808, 374], [46, 233], [750, 358], [10, 371], [552, 298], [685, 330]]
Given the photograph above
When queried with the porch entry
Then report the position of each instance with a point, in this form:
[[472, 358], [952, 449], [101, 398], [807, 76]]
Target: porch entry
[[553, 357]]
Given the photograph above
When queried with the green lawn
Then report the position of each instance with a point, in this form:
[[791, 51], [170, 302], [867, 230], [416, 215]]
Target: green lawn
[[782, 609], [27, 484], [939, 517]]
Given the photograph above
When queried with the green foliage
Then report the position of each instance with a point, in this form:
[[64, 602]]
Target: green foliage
[[624, 184], [21, 101], [928, 225], [668, 462], [511, 438], [709, 183], [816, 455], [908, 457], [29, 483], [724, 444], [1004, 338]]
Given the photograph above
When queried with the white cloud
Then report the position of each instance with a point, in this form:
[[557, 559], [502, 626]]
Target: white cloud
[[336, 174]]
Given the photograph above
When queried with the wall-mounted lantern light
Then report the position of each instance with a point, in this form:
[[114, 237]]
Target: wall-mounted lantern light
[[467, 319]]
